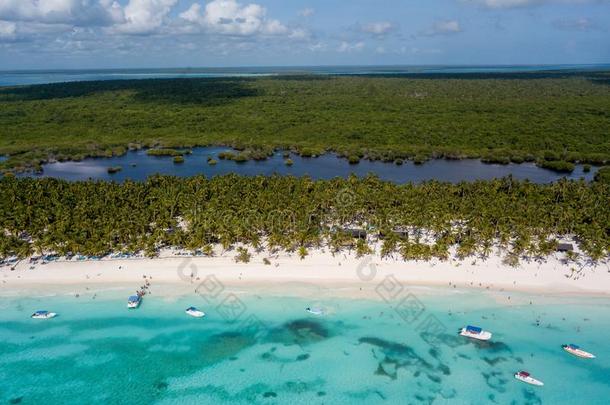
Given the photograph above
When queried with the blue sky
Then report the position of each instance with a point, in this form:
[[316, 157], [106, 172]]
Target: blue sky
[[43, 34]]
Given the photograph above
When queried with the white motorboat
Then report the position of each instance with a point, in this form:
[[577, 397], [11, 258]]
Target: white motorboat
[[134, 301], [527, 378], [43, 315], [577, 351], [475, 332], [194, 312], [315, 310]]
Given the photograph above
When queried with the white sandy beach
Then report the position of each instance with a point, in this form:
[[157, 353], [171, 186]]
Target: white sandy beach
[[320, 268]]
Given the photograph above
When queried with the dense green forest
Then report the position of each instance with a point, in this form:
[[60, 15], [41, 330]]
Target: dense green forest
[[552, 117], [416, 221]]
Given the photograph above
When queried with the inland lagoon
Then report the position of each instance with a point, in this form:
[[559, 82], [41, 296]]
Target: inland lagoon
[[138, 165]]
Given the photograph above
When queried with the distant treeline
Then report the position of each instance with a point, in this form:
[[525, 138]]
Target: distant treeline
[[415, 221], [558, 117]]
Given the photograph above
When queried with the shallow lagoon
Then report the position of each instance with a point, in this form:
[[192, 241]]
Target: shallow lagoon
[[137, 165], [362, 351]]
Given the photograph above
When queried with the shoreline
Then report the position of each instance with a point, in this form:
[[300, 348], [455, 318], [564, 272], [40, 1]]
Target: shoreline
[[321, 271]]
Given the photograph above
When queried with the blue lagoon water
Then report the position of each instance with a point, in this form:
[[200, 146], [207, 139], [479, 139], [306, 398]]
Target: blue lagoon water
[[137, 165], [26, 77], [361, 351]]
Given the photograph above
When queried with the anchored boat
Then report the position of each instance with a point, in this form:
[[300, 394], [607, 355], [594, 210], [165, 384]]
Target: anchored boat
[[43, 315], [577, 351], [475, 332], [194, 312], [527, 378], [315, 310], [134, 301]]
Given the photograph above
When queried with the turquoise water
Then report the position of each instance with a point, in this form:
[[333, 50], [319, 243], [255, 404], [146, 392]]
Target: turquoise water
[[361, 351], [24, 77]]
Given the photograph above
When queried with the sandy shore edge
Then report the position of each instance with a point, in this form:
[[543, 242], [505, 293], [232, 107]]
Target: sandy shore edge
[[320, 269]]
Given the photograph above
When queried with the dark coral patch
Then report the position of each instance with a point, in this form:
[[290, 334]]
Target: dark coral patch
[[298, 387], [495, 381], [161, 385], [300, 332], [495, 360], [270, 394], [531, 398], [302, 357], [444, 369]]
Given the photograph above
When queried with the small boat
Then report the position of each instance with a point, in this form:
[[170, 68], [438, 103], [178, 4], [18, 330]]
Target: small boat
[[527, 378], [43, 315], [134, 301], [475, 332], [577, 351], [194, 312], [315, 310]]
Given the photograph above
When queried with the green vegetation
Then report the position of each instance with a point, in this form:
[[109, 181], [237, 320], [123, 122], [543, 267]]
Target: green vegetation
[[497, 159], [419, 159], [418, 221], [164, 152], [212, 162], [243, 256], [178, 159], [114, 169], [511, 117], [557, 165], [603, 175], [353, 160], [288, 162]]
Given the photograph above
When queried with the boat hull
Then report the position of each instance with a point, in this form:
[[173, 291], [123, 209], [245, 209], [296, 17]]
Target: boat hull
[[133, 305], [579, 353], [46, 316], [484, 335], [529, 380], [195, 314]]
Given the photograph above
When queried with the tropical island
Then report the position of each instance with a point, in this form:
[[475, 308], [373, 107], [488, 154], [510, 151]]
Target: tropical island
[[498, 118], [495, 117]]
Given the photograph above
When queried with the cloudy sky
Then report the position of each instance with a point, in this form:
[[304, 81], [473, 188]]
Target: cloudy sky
[[41, 34]]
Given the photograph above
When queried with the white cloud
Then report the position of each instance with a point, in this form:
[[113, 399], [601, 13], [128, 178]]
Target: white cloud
[[78, 12], [8, 30], [445, 27], [346, 47], [378, 28], [498, 4], [299, 33], [135, 17], [144, 16], [229, 17], [307, 12]]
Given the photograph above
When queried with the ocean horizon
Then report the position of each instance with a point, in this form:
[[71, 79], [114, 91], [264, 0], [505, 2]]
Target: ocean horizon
[[34, 76]]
